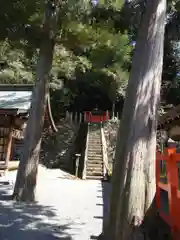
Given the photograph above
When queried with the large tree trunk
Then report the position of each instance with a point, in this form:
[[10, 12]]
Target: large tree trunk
[[27, 172], [133, 181]]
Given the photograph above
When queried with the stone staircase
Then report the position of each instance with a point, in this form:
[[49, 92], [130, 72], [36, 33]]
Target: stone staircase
[[94, 164]]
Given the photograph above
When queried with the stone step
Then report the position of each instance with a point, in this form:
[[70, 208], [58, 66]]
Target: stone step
[[93, 153], [95, 134], [94, 173], [95, 146], [100, 169], [91, 166], [94, 168], [98, 135], [95, 140], [94, 159], [94, 177], [93, 143], [95, 164]]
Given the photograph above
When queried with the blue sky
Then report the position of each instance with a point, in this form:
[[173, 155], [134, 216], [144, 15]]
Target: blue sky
[[94, 2]]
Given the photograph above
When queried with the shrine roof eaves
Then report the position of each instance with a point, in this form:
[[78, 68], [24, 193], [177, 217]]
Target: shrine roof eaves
[[16, 97]]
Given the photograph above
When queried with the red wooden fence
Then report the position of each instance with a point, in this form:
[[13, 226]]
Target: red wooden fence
[[96, 117], [167, 186]]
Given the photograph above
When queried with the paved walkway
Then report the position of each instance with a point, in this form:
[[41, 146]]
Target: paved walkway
[[66, 209]]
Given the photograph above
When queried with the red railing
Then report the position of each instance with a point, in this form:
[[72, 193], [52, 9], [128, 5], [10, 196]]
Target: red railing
[[168, 189], [95, 117]]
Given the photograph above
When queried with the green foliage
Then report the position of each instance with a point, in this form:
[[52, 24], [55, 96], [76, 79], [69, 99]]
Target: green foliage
[[87, 52], [14, 66], [92, 56]]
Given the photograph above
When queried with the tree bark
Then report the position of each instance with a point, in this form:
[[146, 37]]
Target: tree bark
[[133, 180], [27, 173]]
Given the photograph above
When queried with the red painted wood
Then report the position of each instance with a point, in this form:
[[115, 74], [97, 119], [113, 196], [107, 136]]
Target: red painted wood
[[91, 118], [165, 218], [173, 220]]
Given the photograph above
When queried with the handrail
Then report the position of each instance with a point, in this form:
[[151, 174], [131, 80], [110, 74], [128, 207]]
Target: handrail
[[170, 186], [105, 155], [77, 164], [86, 154]]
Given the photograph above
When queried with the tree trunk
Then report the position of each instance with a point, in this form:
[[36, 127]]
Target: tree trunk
[[27, 172], [133, 181]]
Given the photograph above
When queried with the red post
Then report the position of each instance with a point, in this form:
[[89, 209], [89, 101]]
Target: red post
[[171, 157], [172, 174], [176, 200], [157, 179]]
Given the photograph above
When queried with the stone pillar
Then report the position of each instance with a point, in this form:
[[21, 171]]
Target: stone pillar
[[76, 117], [80, 118], [117, 115], [71, 117], [107, 115], [67, 116]]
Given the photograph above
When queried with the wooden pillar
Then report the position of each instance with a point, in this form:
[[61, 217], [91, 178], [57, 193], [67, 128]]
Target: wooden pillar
[[85, 116], [157, 181], [9, 148], [117, 115], [76, 117], [172, 172], [107, 115], [71, 117], [80, 118], [67, 116]]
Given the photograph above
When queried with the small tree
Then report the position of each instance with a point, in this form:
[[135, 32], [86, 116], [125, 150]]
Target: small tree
[[133, 181]]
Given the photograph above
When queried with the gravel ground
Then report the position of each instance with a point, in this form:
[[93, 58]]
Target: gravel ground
[[66, 208]]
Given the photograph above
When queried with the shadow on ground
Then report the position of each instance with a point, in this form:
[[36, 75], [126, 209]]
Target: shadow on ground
[[28, 221], [103, 193]]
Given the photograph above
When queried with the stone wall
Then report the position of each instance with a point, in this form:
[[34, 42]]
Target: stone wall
[[110, 131], [58, 147]]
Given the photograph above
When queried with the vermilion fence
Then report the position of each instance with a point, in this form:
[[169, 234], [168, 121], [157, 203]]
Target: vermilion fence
[[168, 188], [95, 117], [91, 116]]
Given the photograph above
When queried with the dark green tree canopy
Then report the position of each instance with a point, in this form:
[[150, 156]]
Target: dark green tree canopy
[[93, 49]]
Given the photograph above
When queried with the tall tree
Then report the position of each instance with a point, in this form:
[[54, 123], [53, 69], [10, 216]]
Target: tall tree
[[27, 172], [133, 181]]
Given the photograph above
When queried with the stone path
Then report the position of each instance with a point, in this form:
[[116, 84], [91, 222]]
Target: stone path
[[65, 209]]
